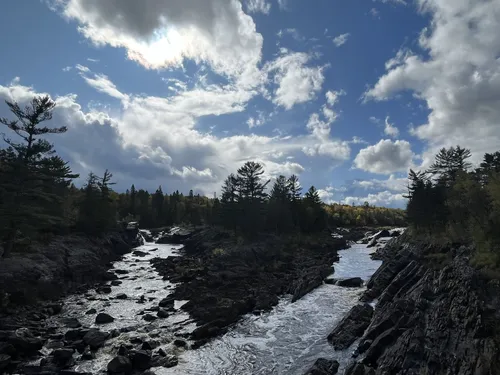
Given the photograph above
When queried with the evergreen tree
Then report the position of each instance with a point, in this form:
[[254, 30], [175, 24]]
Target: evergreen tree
[[448, 163], [279, 213], [157, 203], [314, 219], [133, 197], [229, 201], [32, 176]]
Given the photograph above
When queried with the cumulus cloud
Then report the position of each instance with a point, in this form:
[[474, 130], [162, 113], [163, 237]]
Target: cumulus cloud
[[148, 139], [461, 86], [296, 81], [390, 129], [385, 157], [166, 32], [340, 39], [256, 6]]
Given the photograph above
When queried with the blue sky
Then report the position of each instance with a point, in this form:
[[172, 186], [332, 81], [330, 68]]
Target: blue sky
[[347, 94]]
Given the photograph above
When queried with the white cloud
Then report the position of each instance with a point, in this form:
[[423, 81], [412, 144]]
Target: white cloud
[[332, 97], [375, 120], [385, 157], [258, 120], [375, 13], [341, 39], [383, 198], [458, 77], [283, 4], [297, 83], [393, 183], [92, 60], [294, 33], [166, 32], [102, 84], [255, 6], [390, 129]]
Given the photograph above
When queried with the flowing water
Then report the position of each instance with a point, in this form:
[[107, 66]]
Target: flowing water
[[286, 340]]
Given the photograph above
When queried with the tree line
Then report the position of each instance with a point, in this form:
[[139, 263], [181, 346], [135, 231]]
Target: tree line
[[38, 197], [460, 204]]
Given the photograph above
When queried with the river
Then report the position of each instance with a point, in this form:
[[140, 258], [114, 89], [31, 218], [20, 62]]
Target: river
[[286, 340]]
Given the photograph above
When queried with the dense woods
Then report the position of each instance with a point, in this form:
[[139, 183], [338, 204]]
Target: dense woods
[[451, 202], [38, 198]]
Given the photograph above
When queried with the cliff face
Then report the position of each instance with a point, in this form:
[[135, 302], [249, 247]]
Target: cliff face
[[429, 320], [48, 271]]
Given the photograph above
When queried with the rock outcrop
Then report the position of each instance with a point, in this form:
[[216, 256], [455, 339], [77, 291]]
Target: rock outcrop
[[430, 319], [223, 278]]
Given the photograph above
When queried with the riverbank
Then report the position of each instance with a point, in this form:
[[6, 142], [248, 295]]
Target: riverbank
[[32, 282], [225, 277], [434, 314]]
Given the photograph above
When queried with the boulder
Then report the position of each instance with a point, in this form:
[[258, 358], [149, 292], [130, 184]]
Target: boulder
[[180, 343], [62, 356], [116, 282], [121, 296], [74, 334], [25, 342], [351, 326], [140, 253], [323, 367], [141, 360], [95, 338], [91, 311], [104, 289], [162, 314], [120, 365], [71, 323], [121, 272], [164, 361], [352, 282], [103, 318], [167, 302], [5, 360], [149, 317]]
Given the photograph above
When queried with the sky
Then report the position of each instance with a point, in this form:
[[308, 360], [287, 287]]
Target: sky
[[347, 94]]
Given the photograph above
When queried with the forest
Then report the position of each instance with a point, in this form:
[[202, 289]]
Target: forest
[[38, 198], [451, 202]]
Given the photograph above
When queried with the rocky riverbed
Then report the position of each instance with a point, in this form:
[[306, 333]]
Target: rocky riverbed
[[430, 317]]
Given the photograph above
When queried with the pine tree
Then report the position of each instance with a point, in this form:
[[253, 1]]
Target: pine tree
[[157, 202], [133, 197], [32, 176], [229, 202], [279, 213], [315, 219], [448, 163]]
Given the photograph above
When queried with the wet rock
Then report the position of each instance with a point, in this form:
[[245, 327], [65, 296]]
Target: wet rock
[[120, 365], [164, 361], [323, 366], [71, 323], [54, 308], [79, 346], [149, 345], [103, 318], [141, 360], [95, 338], [91, 311], [207, 330], [5, 360], [62, 356], [139, 253], [121, 272], [351, 326], [353, 282], [149, 317], [24, 341], [373, 242], [162, 352], [121, 296], [75, 334], [71, 372], [6, 348], [87, 355], [54, 345], [116, 282], [105, 289], [330, 281], [180, 343], [162, 314]]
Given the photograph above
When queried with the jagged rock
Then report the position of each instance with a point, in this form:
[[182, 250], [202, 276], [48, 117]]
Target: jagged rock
[[162, 314], [71, 323], [91, 311], [24, 341], [74, 334], [121, 296], [180, 343], [62, 356], [116, 282], [149, 317], [353, 282], [323, 366], [121, 272], [141, 360], [5, 360], [164, 361], [103, 318], [351, 326], [167, 302], [120, 365], [104, 289], [95, 338], [139, 253]]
